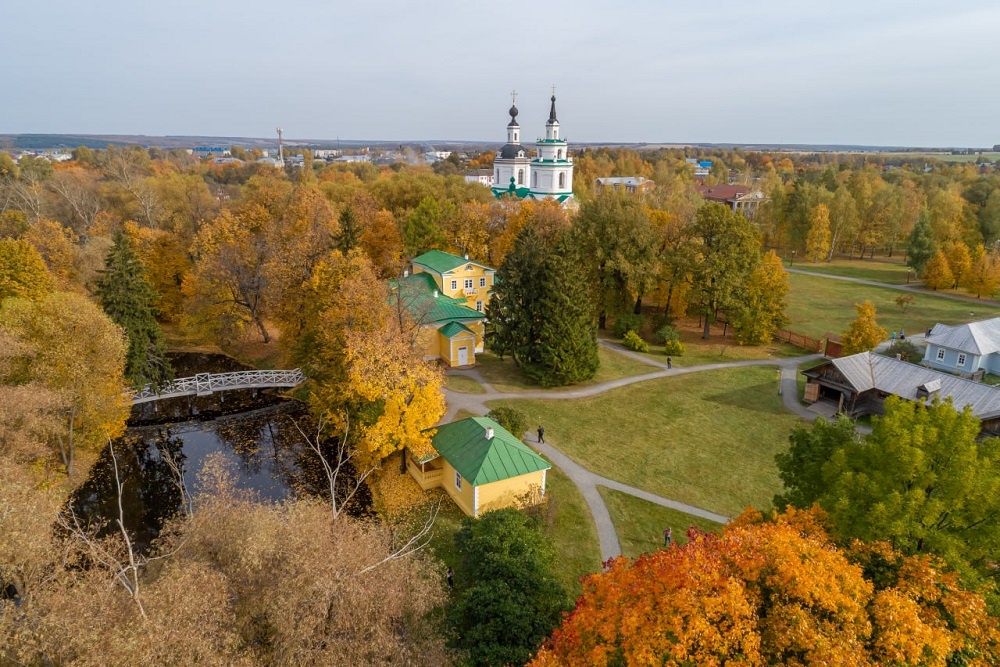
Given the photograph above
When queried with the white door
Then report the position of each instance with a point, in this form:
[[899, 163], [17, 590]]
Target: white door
[[463, 356]]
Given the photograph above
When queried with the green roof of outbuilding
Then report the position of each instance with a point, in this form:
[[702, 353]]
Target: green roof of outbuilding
[[442, 262], [463, 444], [418, 297], [452, 329]]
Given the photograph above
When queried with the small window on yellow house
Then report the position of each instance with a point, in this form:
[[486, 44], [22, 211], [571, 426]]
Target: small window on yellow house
[[479, 306], [468, 283], [458, 480], [454, 284], [482, 282]]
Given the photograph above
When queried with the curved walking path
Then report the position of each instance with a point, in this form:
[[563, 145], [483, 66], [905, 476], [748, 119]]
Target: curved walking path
[[588, 481], [903, 288]]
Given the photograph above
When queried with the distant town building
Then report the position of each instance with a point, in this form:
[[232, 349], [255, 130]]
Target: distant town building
[[737, 197], [325, 153], [481, 176], [547, 176], [701, 167], [210, 151], [226, 160], [627, 183]]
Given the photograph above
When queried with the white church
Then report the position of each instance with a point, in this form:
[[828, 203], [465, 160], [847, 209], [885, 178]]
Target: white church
[[549, 175]]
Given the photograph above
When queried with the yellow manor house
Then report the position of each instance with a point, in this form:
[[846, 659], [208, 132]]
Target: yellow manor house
[[481, 465], [447, 296]]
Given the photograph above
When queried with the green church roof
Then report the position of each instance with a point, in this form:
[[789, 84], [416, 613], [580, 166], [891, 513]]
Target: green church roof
[[418, 297], [452, 329], [463, 444], [442, 262]]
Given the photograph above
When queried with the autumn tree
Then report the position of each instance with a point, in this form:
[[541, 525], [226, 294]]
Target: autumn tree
[[864, 333], [382, 243], [616, 241], [937, 273], [773, 592], [22, 271], [761, 312], [422, 230], [57, 246], [728, 248], [349, 236], [923, 481], [818, 239], [508, 599], [68, 346], [959, 261], [983, 276], [130, 302]]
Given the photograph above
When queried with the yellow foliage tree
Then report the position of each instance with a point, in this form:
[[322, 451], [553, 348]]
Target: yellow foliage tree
[[818, 239], [959, 261], [937, 273], [22, 271], [57, 246], [70, 347], [865, 333], [983, 276], [380, 239]]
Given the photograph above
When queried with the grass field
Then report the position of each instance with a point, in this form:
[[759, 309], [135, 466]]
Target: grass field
[[946, 157], [640, 523], [818, 305], [505, 376], [463, 384], [889, 272], [717, 349], [706, 439]]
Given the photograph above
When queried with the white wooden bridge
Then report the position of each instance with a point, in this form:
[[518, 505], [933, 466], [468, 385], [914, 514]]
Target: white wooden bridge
[[204, 384]]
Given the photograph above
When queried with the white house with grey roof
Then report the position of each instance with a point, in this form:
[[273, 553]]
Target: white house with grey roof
[[858, 385], [965, 348]]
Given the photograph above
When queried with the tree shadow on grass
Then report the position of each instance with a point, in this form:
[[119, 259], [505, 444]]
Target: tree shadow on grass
[[759, 398]]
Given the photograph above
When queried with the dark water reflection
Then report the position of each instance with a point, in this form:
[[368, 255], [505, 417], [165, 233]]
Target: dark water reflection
[[261, 443]]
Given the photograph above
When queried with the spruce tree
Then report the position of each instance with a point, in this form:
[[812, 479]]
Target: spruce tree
[[921, 248], [514, 313], [130, 302], [567, 344], [350, 234]]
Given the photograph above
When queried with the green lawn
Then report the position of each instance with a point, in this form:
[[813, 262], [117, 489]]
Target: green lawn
[[889, 272], [717, 350], [706, 439], [505, 376], [640, 523], [819, 305], [463, 384]]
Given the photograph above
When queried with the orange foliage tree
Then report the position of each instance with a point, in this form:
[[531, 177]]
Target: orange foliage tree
[[776, 591]]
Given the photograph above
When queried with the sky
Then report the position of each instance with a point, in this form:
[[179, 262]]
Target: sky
[[870, 72]]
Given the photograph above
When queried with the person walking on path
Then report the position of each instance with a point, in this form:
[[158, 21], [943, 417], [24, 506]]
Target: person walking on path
[[668, 537], [670, 363], [541, 434], [451, 578], [893, 336]]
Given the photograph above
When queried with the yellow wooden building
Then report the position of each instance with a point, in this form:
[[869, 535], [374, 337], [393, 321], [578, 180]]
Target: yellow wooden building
[[447, 296], [481, 465]]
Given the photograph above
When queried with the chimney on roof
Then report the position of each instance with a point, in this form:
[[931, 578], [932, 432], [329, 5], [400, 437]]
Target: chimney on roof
[[466, 256], [435, 294], [406, 272], [489, 432]]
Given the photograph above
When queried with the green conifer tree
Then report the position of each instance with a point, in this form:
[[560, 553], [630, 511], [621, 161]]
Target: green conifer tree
[[350, 233], [130, 301], [567, 344], [514, 313], [921, 248]]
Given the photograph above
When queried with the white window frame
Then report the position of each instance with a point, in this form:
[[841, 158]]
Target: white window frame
[[458, 480], [479, 306], [482, 282], [469, 284], [454, 284], [961, 358], [940, 354]]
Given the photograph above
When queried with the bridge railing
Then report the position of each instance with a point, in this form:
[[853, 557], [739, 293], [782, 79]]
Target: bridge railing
[[209, 383]]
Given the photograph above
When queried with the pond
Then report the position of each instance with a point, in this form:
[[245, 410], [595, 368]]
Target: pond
[[255, 432]]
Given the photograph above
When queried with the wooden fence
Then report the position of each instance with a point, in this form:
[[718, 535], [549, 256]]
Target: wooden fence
[[799, 340]]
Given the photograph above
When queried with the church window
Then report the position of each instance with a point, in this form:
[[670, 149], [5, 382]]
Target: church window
[[497, 177], [520, 176], [559, 154], [562, 180], [534, 180], [515, 136]]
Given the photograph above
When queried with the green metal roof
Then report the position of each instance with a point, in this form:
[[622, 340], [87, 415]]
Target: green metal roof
[[452, 329], [418, 297], [463, 444], [442, 262]]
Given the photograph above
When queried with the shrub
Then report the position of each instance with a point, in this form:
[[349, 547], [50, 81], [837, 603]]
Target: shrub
[[906, 350], [666, 333], [511, 419], [634, 343], [673, 348], [628, 322]]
